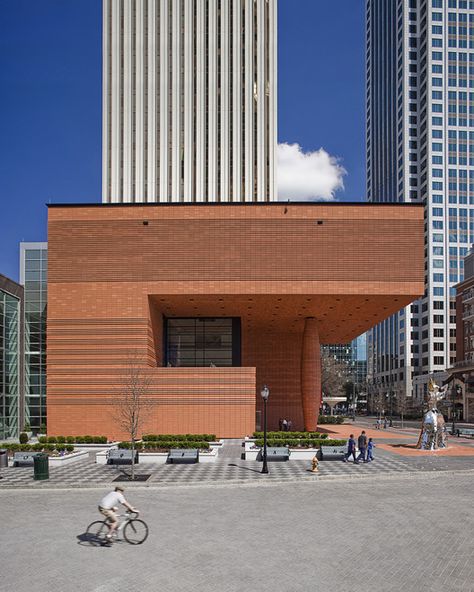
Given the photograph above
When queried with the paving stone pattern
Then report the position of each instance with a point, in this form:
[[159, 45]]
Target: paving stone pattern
[[332, 535], [228, 468]]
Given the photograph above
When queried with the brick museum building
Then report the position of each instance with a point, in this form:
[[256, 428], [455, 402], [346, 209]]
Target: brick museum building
[[212, 301]]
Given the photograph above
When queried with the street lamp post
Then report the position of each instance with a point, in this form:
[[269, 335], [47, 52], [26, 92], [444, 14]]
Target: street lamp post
[[391, 408], [265, 393]]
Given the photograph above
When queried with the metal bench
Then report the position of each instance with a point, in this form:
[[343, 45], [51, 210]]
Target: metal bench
[[469, 432], [121, 457], [330, 451], [276, 453], [24, 459], [183, 455]]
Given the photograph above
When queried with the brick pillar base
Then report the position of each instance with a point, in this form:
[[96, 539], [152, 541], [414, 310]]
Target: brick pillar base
[[311, 374]]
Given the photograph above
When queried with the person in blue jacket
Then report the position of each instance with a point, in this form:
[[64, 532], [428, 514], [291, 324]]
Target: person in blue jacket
[[370, 450], [351, 450]]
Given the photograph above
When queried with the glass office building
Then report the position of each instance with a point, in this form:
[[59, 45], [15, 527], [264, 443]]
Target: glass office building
[[33, 276], [11, 380], [420, 148]]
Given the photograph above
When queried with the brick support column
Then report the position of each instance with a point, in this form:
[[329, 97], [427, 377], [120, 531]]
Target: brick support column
[[311, 374]]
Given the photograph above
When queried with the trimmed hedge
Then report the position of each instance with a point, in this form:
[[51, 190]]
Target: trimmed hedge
[[301, 442], [179, 438], [161, 445], [37, 447], [331, 419], [292, 435], [73, 439]]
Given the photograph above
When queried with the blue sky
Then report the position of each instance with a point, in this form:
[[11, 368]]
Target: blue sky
[[50, 102]]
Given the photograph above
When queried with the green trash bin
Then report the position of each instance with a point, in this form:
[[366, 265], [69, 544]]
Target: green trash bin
[[41, 466]]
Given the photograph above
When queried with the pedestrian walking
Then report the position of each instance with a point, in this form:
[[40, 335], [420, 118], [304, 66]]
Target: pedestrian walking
[[370, 450], [280, 424], [351, 450], [385, 423], [362, 444], [289, 425], [284, 425]]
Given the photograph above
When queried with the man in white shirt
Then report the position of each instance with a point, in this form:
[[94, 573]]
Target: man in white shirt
[[108, 507]]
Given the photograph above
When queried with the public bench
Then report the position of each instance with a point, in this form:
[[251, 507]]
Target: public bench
[[469, 432], [277, 452], [332, 451], [121, 457], [24, 458], [183, 455]]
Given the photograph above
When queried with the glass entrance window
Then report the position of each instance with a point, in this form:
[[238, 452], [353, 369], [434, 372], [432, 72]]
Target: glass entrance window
[[195, 342]]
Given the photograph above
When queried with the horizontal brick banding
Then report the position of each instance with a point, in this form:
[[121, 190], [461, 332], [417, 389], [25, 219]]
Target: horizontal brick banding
[[112, 279]]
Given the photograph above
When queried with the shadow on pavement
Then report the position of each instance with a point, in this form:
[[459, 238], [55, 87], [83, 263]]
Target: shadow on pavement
[[244, 468]]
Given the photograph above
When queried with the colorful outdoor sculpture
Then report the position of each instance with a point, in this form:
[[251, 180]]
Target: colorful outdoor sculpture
[[433, 429]]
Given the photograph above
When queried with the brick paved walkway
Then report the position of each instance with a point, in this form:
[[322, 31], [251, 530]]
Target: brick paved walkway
[[229, 468], [335, 536]]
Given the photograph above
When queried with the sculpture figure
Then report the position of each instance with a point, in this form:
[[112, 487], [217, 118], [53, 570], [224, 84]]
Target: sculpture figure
[[433, 429]]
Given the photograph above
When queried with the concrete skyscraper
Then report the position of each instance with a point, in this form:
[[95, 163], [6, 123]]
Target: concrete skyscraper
[[420, 148], [189, 100]]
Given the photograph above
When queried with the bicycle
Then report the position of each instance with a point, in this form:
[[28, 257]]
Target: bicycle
[[135, 531]]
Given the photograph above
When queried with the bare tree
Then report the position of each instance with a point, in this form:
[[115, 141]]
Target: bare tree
[[133, 406], [377, 402], [401, 403], [333, 375]]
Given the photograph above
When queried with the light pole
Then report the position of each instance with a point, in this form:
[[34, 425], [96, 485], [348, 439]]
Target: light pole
[[265, 393]]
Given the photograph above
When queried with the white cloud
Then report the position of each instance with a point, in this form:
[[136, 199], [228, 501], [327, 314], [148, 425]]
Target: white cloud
[[307, 175]]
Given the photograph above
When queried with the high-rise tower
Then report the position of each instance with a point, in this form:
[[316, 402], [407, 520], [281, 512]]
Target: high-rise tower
[[420, 147], [189, 100]]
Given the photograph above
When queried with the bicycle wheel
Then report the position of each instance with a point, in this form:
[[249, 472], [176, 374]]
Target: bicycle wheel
[[97, 531], [135, 532]]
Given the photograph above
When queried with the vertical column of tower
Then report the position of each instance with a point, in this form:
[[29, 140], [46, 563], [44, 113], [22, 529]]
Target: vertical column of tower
[[106, 106], [259, 100], [189, 74], [249, 101], [164, 77], [152, 90], [236, 99], [116, 119], [212, 102], [200, 100], [128, 73], [138, 185], [272, 58], [224, 102], [176, 95], [311, 374]]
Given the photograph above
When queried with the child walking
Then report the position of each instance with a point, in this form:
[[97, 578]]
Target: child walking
[[370, 450]]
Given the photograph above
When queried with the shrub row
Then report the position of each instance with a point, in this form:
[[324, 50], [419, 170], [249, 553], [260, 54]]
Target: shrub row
[[331, 419], [37, 447], [292, 435], [179, 438], [302, 443], [165, 444], [72, 439]]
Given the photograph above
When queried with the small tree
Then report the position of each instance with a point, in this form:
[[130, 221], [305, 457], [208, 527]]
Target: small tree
[[133, 407], [377, 401], [401, 403], [333, 374]]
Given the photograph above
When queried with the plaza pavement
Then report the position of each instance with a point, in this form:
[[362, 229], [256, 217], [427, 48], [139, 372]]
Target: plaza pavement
[[345, 535]]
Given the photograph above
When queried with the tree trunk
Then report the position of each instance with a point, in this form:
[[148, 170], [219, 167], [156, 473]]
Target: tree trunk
[[133, 459]]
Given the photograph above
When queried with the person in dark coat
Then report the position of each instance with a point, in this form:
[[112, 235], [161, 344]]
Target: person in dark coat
[[362, 444]]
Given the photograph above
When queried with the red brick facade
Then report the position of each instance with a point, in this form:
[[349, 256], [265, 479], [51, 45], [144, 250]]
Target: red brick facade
[[116, 271]]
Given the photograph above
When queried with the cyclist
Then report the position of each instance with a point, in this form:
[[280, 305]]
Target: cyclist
[[108, 507]]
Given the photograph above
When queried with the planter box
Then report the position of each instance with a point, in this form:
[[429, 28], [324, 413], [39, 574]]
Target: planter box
[[160, 457], [295, 453], [215, 444], [60, 461], [92, 447]]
